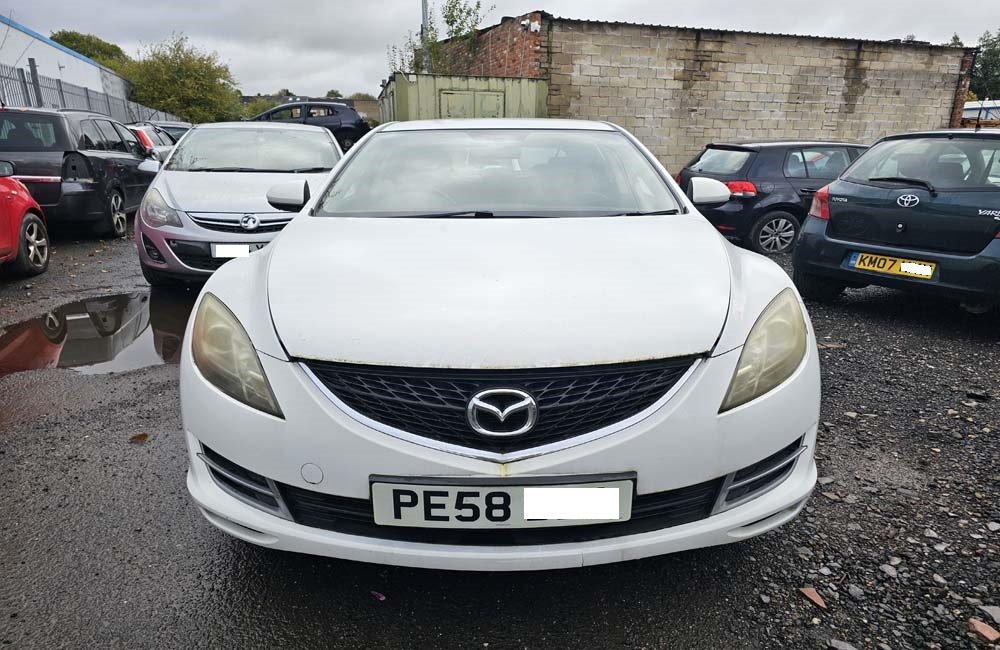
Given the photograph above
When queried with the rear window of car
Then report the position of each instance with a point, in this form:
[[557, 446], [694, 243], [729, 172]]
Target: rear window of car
[[28, 132], [816, 162], [720, 161], [953, 163]]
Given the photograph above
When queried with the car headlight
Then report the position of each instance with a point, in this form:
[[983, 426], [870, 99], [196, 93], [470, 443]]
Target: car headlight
[[772, 352], [155, 212], [225, 356]]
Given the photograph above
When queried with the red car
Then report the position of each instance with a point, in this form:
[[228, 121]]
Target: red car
[[24, 241]]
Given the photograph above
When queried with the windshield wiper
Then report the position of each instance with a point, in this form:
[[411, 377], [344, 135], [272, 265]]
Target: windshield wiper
[[903, 179], [459, 214], [308, 170], [648, 213], [221, 169]]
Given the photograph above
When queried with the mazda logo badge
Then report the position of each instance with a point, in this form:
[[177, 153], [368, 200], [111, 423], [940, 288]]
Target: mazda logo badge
[[908, 200], [502, 412], [249, 222]]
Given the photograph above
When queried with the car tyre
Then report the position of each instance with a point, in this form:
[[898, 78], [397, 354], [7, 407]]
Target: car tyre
[[114, 223], [33, 247], [157, 279], [774, 233], [817, 288], [346, 139]]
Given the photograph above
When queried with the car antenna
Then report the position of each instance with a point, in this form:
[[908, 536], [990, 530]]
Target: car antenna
[[979, 116]]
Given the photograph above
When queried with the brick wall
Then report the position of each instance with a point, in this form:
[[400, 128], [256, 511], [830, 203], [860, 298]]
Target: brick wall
[[677, 89], [505, 50]]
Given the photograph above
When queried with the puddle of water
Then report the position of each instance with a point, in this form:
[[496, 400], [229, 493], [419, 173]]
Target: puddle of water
[[100, 335]]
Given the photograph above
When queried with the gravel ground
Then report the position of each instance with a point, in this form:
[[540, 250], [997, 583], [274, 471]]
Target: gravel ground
[[101, 547]]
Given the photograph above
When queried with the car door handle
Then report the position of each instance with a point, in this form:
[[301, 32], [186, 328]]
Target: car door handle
[[808, 190]]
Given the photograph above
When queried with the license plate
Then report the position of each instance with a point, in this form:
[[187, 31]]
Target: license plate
[[236, 250], [432, 505], [892, 265]]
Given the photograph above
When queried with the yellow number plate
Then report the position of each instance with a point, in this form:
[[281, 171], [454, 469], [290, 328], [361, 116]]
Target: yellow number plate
[[892, 265]]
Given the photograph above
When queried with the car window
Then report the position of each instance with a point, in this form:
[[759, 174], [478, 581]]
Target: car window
[[955, 163], [826, 162], [795, 166], [27, 132], [158, 138], [508, 172], [721, 161], [290, 113], [321, 111], [131, 141], [109, 136], [90, 138], [264, 148]]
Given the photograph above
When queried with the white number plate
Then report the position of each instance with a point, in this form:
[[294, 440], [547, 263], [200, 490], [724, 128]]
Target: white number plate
[[500, 506], [236, 250]]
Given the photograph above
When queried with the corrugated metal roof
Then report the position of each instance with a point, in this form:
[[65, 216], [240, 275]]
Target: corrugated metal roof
[[619, 23]]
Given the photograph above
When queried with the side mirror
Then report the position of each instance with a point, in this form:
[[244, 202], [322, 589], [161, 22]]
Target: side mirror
[[150, 166], [6, 169], [289, 197], [708, 191]]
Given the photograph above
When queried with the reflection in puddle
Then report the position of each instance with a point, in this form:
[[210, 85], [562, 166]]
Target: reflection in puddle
[[100, 335]]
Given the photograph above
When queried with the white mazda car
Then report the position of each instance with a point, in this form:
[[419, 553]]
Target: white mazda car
[[499, 345]]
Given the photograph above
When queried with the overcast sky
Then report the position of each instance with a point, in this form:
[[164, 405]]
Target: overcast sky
[[310, 47]]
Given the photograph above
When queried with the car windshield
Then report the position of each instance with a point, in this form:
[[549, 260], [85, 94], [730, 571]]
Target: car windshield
[[720, 161], [242, 149], [30, 132], [497, 172], [958, 163]]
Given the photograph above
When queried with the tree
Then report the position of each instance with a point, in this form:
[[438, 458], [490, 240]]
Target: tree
[[334, 94], [284, 92], [105, 53], [260, 104], [362, 96], [955, 41], [461, 19], [177, 77], [986, 75]]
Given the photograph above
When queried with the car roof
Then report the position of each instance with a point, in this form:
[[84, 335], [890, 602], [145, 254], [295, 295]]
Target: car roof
[[945, 133], [773, 144], [318, 102], [163, 123], [499, 123], [249, 125]]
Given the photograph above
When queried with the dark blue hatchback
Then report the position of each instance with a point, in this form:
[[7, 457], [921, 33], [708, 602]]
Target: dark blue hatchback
[[919, 211], [772, 186]]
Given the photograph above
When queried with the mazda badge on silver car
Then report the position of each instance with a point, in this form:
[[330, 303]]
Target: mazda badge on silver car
[[499, 345]]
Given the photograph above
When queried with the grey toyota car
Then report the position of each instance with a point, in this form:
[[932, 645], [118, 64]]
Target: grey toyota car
[[919, 212], [208, 203]]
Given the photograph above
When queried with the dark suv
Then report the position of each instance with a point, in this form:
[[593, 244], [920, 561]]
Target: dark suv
[[79, 166], [343, 121], [919, 211], [772, 185]]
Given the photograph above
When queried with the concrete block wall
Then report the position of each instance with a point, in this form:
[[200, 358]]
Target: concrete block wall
[[677, 89]]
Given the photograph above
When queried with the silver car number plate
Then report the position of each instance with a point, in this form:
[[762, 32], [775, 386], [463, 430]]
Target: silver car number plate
[[500, 506], [236, 250]]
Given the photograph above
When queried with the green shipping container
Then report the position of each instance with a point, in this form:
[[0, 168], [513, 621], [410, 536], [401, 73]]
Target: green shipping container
[[430, 96]]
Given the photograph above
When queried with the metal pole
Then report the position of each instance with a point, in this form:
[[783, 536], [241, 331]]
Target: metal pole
[[34, 82], [425, 23], [62, 95]]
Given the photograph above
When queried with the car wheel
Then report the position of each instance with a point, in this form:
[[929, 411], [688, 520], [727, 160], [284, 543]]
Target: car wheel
[[817, 288], [158, 279], [114, 223], [346, 140], [33, 247], [774, 233]]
